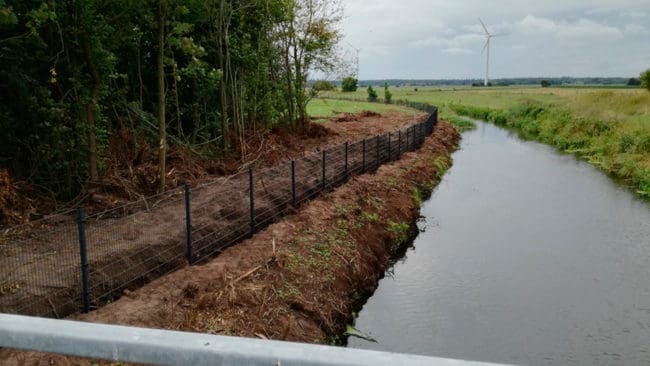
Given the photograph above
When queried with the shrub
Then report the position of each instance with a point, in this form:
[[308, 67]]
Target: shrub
[[645, 79], [388, 96], [349, 84], [545, 83], [634, 82], [372, 94], [323, 85]]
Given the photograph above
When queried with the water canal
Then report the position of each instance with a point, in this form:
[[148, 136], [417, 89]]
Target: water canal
[[528, 257]]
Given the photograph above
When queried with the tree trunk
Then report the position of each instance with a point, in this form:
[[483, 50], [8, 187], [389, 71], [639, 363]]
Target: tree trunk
[[162, 128], [300, 89], [290, 98], [90, 111]]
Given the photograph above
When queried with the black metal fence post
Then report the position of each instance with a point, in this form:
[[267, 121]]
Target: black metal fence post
[[346, 161], [390, 155], [377, 151], [83, 253], [407, 140], [363, 164], [293, 183], [188, 225], [399, 144], [252, 200], [413, 138], [421, 133], [324, 158]]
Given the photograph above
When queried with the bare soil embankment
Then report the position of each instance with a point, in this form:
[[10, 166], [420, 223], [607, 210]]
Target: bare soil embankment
[[301, 278], [130, 246]]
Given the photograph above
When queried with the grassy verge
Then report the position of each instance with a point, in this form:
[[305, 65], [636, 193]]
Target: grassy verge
[[461, 124], [609, 128], [621, 149]]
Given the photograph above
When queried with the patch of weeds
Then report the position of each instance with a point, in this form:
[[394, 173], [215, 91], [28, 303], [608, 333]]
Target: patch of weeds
[[461, 124], [400, 231], [417, 196], [288, 290], [375, 202], [344, 209], [392, 182], [370, 217], [321, 249], [442, 166]]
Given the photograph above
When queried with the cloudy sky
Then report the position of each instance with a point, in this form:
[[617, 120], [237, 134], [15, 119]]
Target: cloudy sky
[[441, 39]]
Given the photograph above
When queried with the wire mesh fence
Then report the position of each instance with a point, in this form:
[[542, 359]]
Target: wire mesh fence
[[81, 264]]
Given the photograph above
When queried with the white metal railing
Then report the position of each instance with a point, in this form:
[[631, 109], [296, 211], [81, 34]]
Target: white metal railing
[[163, 347]]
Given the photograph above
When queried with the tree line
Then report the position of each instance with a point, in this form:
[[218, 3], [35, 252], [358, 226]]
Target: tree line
[[74, 74]]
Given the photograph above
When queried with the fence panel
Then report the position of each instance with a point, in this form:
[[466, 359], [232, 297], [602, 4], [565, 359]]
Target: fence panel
[[41, 272]]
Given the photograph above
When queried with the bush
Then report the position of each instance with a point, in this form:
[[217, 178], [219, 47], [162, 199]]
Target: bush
[[349, 84], [323, 85], [645, 79], [634, 82], [545, 83], [372, 94], [388, 96]]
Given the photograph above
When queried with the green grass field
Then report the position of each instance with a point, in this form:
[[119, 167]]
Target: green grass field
[[608, 127], [330, 107], [621, 105]]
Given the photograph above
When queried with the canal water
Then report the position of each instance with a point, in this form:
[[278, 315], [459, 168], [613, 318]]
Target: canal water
[[528, 257]]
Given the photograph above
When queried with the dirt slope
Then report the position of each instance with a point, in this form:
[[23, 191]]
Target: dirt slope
[[301, 278]]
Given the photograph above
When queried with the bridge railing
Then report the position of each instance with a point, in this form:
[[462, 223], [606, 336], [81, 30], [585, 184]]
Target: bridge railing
[[163, 347]]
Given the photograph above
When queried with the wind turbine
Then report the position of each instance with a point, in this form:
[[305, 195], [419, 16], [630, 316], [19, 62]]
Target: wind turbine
[[488, 37]]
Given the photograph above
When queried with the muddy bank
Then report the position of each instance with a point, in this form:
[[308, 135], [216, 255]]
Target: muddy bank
[[301, 278]]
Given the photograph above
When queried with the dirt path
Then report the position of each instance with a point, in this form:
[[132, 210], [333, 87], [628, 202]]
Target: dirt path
[[301, 278], [40, 274]]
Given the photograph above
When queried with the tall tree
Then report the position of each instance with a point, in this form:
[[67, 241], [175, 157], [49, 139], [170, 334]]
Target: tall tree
[[162, 124], [309, 36], [78, 76], [645, 79]]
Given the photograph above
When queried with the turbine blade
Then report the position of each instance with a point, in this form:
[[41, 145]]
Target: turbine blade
[[485, 47], [499, 35], [484, 27]]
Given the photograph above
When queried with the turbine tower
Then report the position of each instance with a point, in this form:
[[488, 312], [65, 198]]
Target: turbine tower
[[488, 37]]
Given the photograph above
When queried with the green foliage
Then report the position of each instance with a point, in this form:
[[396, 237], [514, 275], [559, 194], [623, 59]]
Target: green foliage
[[417, 196], [349, 84], [645, 79], [73, 71], [400, 232], [545, 83], [462, 124], [323, 85], [388, 96], [634, 82], [372, 94]]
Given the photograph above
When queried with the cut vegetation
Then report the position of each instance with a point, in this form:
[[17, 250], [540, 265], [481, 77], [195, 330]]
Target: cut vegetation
[[302, 278]]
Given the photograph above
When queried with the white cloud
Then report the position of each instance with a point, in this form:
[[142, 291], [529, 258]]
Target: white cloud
[[636, 29], [636, 14], [457, 51], [459, 41], [578, 30], [442, 38]]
